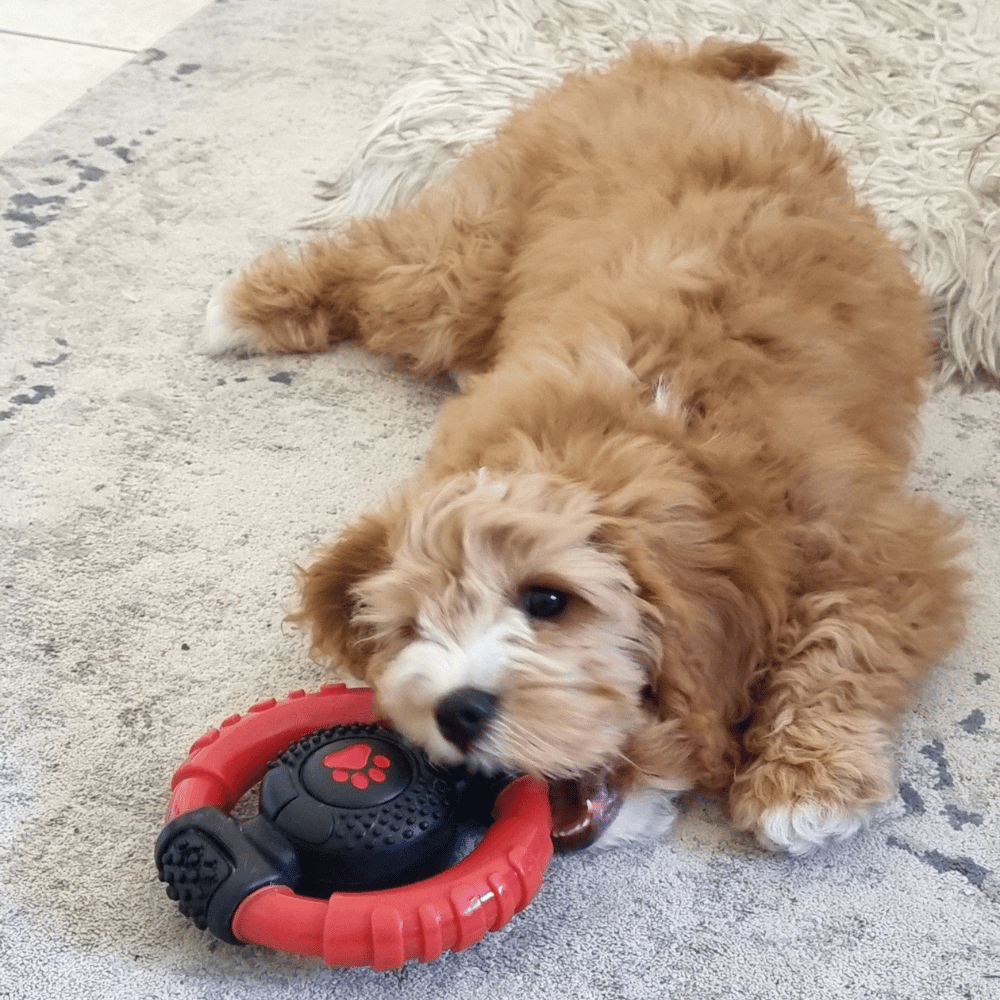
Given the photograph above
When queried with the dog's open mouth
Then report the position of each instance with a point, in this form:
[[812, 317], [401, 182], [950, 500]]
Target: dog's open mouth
[[583, 808]]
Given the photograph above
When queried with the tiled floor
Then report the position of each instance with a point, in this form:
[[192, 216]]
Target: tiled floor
[[53, 51]]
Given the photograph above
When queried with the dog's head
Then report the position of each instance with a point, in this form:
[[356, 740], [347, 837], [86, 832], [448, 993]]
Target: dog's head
[[512, 622]]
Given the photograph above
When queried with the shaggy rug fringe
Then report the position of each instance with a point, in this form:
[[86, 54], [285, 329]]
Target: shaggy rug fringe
[[906, 88]]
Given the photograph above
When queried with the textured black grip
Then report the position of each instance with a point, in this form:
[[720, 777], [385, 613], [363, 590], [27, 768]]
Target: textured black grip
[[211, 863]]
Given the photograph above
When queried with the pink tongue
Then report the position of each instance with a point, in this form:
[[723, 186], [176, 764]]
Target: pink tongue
[[352, 759]]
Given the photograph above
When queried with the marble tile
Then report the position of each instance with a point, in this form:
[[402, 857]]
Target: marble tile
[[53, 51], [38, 79], [128, 24]]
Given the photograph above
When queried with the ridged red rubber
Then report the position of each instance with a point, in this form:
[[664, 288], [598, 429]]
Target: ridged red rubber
[[450, 911], [227, 761]]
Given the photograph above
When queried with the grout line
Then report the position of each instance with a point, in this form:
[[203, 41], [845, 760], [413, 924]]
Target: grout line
[[68, 41]]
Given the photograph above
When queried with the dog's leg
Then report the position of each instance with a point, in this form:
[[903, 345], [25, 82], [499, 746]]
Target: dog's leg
[[646, 814], [423, 283], [821, 741]]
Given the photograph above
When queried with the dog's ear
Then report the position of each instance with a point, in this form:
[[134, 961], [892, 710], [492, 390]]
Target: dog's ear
[[328, 600], [710, 632]]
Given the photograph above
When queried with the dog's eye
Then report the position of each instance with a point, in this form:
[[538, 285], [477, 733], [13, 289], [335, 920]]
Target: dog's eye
[[543, 602]]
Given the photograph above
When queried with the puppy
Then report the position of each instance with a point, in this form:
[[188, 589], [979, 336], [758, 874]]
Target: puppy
[[664, 532]]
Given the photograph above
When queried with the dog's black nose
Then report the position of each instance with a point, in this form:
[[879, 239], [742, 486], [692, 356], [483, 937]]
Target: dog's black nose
[[464, 714]]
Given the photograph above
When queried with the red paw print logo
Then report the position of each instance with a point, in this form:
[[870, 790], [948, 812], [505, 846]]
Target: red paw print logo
[[357, 765]]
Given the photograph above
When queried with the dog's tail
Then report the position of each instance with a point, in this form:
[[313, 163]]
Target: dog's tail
[[737, 60], [715, 57]]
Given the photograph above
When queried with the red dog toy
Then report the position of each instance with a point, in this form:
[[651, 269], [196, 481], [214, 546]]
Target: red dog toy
[[350, 815]]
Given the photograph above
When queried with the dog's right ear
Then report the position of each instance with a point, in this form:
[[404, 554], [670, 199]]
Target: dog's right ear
[[328, 604]]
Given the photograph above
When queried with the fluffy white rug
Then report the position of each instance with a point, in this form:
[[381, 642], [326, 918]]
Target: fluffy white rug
[[908, 89]]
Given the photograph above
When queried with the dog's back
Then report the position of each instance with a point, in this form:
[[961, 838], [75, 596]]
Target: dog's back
[[720, 239]]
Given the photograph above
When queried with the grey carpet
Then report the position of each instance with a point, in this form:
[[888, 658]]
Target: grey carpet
[[154, 502]]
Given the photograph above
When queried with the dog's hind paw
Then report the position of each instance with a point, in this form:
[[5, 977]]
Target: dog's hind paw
[[223, 333]]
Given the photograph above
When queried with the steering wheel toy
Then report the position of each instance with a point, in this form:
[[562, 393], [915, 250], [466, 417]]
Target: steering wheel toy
[[348, 856]]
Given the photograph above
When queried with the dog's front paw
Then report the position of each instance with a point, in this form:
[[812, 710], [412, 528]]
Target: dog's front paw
[[804, 827], [799, 808], [225, 333], [645, 815]]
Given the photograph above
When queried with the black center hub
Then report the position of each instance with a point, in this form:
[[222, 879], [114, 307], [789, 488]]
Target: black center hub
[[362, 808]]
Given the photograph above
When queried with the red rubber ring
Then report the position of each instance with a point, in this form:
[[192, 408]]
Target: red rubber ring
[[228, 761], [382, 929]]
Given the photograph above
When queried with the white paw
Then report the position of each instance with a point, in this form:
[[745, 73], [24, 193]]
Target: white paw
[[644, 815], [222, 332], [804, 828]]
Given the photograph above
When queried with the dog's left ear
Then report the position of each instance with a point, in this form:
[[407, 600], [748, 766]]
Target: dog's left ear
[[709, 624], [328, 604]]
